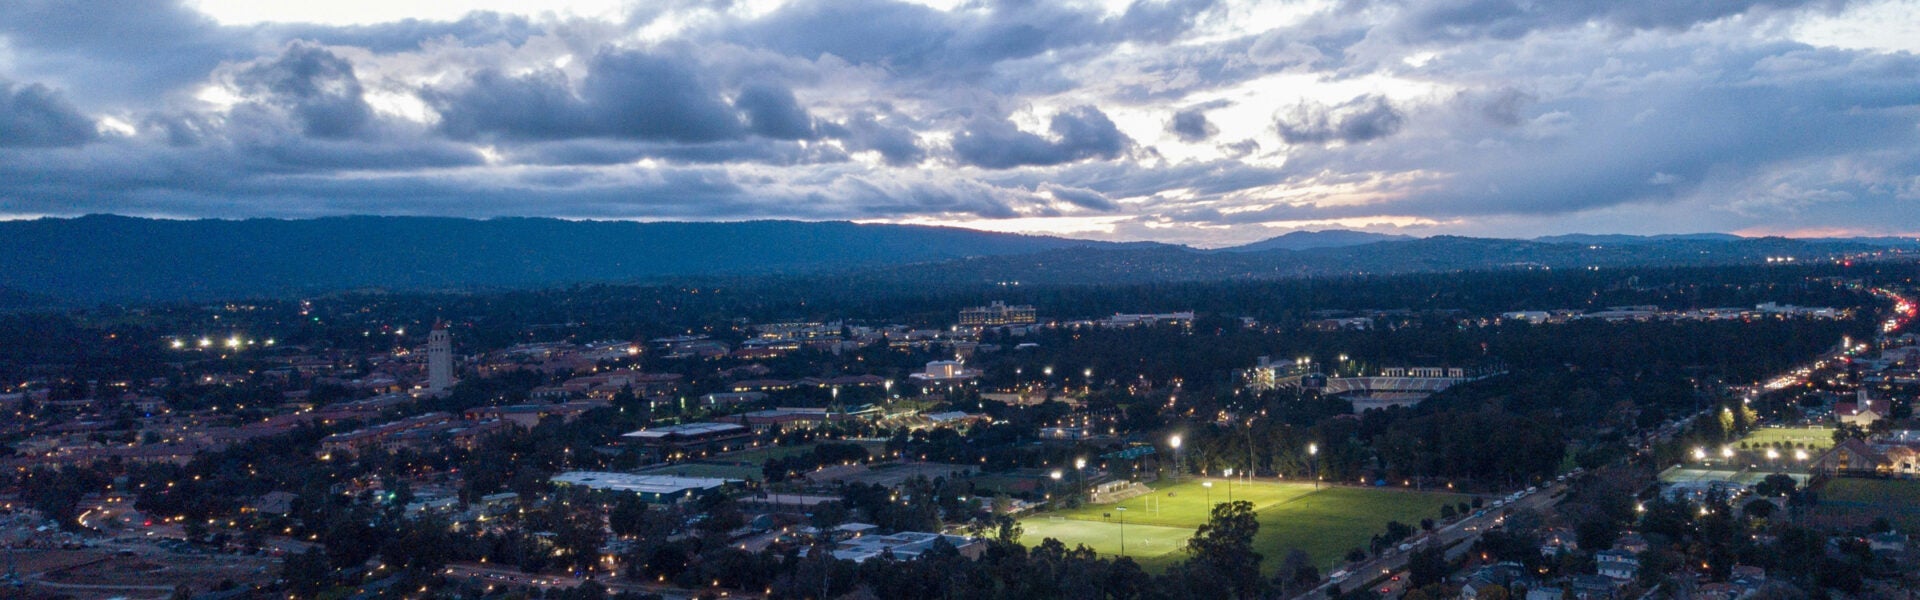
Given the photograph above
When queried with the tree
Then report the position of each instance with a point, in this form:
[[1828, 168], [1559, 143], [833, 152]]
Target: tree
[[306, 573], [1297, 572], [1426, 566], [1777, 484], [1225, 544]]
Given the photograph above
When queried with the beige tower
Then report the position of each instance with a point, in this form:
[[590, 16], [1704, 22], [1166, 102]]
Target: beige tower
[[439, 359]]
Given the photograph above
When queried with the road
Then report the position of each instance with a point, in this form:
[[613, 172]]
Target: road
[[1458, 536]]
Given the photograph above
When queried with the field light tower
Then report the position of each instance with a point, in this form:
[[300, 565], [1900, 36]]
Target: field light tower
[[1079, 475], [1313, 463], [1178, 464]]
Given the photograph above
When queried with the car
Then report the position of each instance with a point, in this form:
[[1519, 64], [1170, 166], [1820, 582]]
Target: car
[[1532, 489], [1394, 578]]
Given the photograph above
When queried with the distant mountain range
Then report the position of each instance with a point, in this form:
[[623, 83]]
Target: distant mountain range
[[49, 262], [1308, 240]]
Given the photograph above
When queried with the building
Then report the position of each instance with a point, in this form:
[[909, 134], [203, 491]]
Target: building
[[657, 489], [945, 371], [1862, 412], [1618, 565], [996, 314], [905, 545], [529, 415], [439, 359], [423, 431], [676, 441]]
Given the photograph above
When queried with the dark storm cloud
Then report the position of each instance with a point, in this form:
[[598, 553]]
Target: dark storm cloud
[[625, 94], [772, 112], [1361, 119], [1079, 133], [34, 116], [318, 88]]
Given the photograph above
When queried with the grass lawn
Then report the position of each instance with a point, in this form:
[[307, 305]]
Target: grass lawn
[[1324, 523], [1815, 438], [1853, 502]]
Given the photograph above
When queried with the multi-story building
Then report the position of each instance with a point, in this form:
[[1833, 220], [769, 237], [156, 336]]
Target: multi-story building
[[997, 313]]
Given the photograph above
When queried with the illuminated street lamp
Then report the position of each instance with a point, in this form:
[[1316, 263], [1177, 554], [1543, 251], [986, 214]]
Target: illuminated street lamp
[[1209, 486]]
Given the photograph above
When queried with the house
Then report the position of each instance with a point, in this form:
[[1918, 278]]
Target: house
[[1632, 542], [1505, 574], [1747, 576], [1594, 587], [1850, 457], [1887, 542], [1617, 565], [1555, 540]]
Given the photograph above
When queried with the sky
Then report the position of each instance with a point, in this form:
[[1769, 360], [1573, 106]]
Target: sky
[[1203, 122]]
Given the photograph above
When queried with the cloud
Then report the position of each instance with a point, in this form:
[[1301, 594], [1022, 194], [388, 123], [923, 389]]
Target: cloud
[[1191, 125], [1079, 133], [897, 144], [475, 29], [772, 112], [914, 40], [1083, 198], [1361, 119], [34, 116], [1512, 19], [625, 94], [1463, 115], [318, 88]]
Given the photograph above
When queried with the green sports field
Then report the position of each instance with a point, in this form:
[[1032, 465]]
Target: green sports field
[[1815, 438], [1324, 523]]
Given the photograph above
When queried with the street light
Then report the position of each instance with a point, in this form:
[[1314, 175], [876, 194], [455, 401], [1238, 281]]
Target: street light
[[1209, 486], [1123, 530], [1229, 475]]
